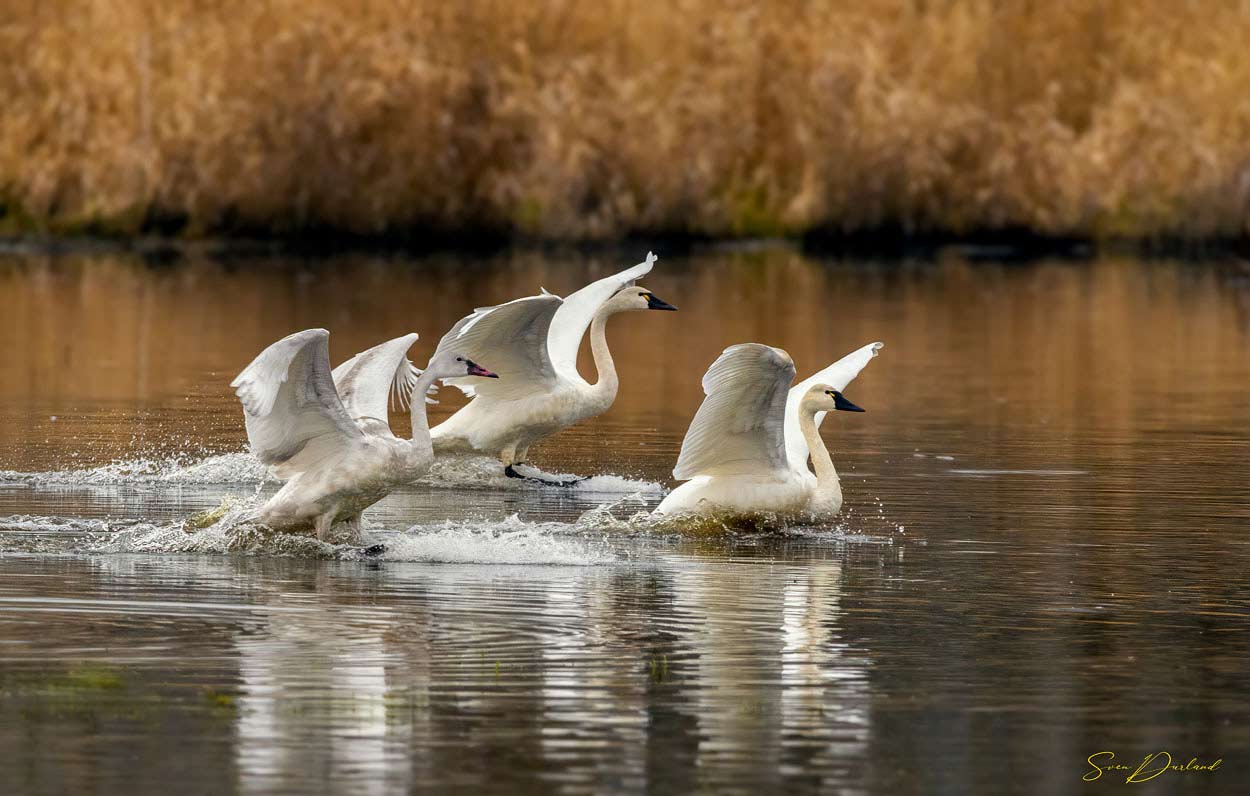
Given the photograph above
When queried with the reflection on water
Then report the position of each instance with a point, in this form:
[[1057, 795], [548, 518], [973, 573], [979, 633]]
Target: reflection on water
[[346, 733], [1043, 553]]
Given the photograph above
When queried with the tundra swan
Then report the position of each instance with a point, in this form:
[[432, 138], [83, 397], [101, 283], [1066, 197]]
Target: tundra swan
[[326, 432], [747, 448], [533, 343]]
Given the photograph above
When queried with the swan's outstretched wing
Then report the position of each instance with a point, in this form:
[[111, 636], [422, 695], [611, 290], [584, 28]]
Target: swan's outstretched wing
[[575, 314], [364, 381], [510, 339], [293, 413], [740, 427], [837, 376]]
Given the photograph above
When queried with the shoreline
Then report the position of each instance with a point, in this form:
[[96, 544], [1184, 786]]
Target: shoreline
[[884, 244]]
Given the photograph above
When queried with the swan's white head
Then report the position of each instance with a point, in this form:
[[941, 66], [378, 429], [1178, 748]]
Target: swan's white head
[[636, 297], [823, 398], [450, 365]]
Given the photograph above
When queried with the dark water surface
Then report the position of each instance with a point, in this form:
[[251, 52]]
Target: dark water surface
[[1044, 552]]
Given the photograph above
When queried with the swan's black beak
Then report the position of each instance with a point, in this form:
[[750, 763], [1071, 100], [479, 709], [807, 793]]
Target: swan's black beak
[[477, 370], [840, 402], [654, 302]]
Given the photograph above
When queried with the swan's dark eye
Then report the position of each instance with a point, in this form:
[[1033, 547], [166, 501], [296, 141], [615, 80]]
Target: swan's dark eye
[[460, 359]]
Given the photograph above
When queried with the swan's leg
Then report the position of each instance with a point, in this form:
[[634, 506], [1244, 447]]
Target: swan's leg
[[357, 532], [325, 522], [509, 458], [508, 455], [512, 457], [357, 539], [543, 479], [519, 458]]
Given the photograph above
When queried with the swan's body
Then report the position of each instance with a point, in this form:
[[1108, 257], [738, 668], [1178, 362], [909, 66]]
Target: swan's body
[[326, 433], [533, 343], [747, 448], [508, 434], [781, 494]]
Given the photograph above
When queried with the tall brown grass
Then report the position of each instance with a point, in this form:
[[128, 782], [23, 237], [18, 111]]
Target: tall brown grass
[[592, 119]]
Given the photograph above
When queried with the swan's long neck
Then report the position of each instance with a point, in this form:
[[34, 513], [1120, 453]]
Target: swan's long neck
[[827, 483], [420, 420], [605, 388]]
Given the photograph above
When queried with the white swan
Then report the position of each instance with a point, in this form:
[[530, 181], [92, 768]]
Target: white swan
[[747, 448], [533, 343], [326, 433]]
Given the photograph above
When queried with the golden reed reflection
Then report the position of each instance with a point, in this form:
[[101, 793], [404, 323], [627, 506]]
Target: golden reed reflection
[[1069, 344]]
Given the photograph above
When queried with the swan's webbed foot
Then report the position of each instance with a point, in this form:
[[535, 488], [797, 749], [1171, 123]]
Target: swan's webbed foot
[[544, 479], [372, 551]]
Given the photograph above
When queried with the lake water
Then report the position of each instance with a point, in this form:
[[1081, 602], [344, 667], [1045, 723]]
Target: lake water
[[1043, 554]]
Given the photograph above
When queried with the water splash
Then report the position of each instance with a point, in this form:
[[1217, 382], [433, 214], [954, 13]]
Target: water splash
[[35, 524], [851, 525], [599, 535], [508, 541], [485, 472], [229, 468], [231, 535], [30, 533], [231, 529], [457, 472]]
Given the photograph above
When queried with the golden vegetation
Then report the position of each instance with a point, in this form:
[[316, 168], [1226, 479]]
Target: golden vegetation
[[586, 120]]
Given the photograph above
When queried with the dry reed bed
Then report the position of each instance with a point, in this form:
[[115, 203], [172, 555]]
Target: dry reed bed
[[590, 120]]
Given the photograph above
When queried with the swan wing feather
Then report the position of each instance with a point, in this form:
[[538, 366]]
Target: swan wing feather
[[365, 381], [838, 376], [573, 317], [740, 427], [292, 411], [511, 340]]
